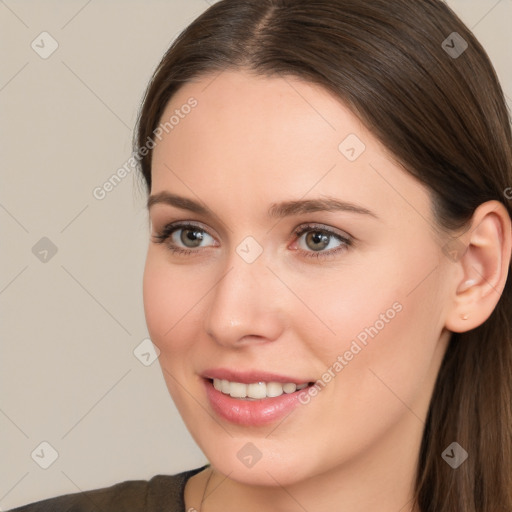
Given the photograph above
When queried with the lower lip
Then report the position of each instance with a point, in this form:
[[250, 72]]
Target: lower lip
[[251, 412]]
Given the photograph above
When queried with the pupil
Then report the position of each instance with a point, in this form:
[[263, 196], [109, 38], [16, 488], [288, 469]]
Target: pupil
[[318, 238], [189, 235]]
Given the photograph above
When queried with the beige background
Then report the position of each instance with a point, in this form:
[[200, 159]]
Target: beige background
[[69, 325]]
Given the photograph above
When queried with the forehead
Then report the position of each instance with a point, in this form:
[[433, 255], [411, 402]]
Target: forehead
[[279, 112], [272, 139]]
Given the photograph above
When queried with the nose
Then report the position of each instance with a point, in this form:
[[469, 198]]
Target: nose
[[245, 306]]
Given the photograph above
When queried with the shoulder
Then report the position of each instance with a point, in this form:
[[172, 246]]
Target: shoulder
[[162, 492]]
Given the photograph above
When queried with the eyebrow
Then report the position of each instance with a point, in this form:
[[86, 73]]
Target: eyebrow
[[276, 210]]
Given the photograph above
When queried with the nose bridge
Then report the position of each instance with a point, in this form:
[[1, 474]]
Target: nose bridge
[[243, 303]]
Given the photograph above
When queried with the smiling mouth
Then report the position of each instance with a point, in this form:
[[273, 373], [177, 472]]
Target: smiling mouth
[[256, 390]]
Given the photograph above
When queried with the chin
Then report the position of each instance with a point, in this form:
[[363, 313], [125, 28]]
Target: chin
[[258, 460]]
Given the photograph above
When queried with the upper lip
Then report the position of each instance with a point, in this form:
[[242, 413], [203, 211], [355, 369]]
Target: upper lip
[[250, 376]]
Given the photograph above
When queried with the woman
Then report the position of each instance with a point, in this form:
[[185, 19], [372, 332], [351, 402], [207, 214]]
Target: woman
[[327, 275]]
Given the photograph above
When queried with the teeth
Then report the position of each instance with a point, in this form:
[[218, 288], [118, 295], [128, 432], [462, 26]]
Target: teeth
[[274, 389], [256, 390], [225, 387], [289, 388], [237, 390]]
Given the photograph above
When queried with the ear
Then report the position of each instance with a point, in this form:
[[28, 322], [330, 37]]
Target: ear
[[482, 268]]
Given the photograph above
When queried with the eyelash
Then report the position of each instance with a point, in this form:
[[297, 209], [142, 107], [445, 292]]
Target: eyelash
[[169, 229]]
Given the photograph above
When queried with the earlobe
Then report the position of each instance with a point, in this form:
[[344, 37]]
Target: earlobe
[[484, 267]]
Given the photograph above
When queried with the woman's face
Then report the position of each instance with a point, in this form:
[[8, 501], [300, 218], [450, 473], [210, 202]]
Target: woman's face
[[311, 257]]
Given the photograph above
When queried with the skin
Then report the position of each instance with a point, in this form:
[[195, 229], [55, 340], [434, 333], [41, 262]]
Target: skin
[[254, 141]]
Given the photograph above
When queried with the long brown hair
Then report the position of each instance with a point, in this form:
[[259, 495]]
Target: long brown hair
[[439, 109]]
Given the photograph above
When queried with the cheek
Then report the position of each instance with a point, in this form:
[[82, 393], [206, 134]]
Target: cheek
[[388, 321], [171, 296]]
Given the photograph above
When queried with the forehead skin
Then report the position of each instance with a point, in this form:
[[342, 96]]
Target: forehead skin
[[271, 139]]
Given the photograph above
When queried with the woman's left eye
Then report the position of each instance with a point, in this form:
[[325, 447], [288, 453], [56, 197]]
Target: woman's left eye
[[320, 242]]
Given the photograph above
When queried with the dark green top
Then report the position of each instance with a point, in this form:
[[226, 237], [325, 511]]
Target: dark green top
[[163, 493]]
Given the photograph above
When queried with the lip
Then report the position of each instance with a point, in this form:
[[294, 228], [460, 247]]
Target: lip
[[250, 412], [250, 376]]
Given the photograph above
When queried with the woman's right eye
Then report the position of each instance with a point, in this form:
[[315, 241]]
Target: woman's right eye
[[183, 238]]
